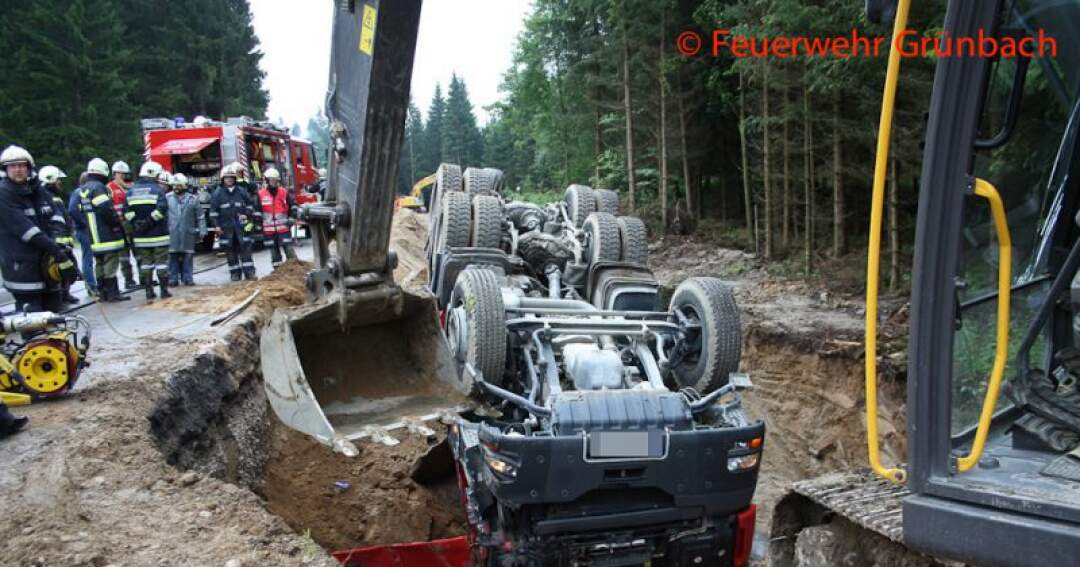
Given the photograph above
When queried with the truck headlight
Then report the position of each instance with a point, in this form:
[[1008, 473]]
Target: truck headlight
[[745, 462], [500, 466]]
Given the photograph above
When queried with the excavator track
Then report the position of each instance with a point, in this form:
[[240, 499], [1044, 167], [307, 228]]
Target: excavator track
[[831, 515]]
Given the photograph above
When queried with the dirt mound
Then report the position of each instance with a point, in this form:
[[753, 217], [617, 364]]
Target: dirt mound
[[282, 287], [408, 237], [380, 504]]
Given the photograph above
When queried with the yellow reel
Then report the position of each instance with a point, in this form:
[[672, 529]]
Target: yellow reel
[[48, 366]]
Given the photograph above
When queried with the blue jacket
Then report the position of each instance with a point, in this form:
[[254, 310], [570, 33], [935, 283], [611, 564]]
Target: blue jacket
[[148, 213], [95, 214], [25, 211], [229, 208]]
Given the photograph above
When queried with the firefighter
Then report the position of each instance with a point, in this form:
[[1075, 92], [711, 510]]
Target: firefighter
[[186, 227], [10, 424], [320, 187], [231, 216], [278, 208], [61, 226], [164, 180], [118, 189], [27, 251], [82, 236], [97, 214], [148, 213]]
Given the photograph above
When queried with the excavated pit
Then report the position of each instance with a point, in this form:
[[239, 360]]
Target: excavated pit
[[215, 419]]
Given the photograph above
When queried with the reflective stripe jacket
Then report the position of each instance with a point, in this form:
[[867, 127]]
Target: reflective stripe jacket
[[227, 206], [96, 214], [60, 223], [24, 238], [118, 193], [148, 213], [277, 209]]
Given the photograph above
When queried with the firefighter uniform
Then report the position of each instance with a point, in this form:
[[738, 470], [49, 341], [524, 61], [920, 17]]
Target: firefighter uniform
[[231, 214], [97, 214], [118, 193], [278, 212], [61, 227], [148, 213], [25, 245]]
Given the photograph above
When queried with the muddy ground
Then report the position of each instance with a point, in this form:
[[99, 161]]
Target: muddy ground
[[170, 456]]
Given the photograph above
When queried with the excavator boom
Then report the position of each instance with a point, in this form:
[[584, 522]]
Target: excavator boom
[[363, 356]]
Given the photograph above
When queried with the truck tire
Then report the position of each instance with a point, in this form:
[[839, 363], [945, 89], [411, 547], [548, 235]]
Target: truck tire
[[479, 181], [476, 326], [447, 180], [607, 201], [454, 221], [487, 222], [603, 239], [580, 203], [715, 352], [635, 240]]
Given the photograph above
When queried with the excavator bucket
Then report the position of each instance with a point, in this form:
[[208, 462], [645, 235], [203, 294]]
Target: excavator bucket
[[389, 370], [364, 357]]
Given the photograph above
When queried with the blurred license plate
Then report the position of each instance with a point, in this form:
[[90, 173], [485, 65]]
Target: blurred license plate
[[625, 444]]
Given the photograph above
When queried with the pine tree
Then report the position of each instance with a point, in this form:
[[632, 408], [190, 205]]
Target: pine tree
[[432, 153], [461, 139]]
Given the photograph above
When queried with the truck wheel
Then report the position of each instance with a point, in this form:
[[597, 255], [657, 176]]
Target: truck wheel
[[580, 203], [479, 181], [603, 238], [607, 201], [487, 222], [454, 222], [447, 180], [708, 354], [476, 326], [635, 240]]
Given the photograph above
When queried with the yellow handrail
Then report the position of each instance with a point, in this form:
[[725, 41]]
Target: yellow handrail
[[1001, 351], [888, 103]]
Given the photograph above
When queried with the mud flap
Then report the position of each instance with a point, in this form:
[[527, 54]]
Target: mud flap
[[389, 370]]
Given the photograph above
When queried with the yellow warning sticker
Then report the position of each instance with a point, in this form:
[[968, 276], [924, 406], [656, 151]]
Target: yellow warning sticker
[[367, 30]]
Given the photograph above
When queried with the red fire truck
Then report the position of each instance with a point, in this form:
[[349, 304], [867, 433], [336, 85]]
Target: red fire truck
[[200, 149]]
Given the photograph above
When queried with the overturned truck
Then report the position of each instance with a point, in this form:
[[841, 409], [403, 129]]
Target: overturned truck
[[616, 436], [590, 425]]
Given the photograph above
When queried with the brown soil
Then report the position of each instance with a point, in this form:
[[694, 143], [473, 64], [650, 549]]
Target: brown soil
[[282, 287], [382, 504], [408, 236]]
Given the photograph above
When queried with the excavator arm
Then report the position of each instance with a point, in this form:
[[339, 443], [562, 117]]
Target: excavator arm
[[374, 42], [361, 344]]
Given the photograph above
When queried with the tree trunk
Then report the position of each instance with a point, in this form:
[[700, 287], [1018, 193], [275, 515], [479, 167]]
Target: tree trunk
[[786, 220], [748, 203], [662, 156], [838, 185], [766, 173], [894, 229], [808, 185], [691, 206], [596, 148], [628, 110]]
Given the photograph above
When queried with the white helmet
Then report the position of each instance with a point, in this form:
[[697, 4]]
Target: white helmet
[[150, 169], [121, 167], [179, 179], [97, 166], [164, 177], [272, 173], [228, 171], [15, 154], [50, 174], [322, 173]]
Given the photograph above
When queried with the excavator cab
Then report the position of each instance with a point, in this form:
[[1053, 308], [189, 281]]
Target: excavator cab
[[997, 481], [993, 471]]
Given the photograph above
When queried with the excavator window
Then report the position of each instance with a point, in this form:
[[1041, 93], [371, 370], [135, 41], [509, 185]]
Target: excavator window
[[1030, 171]]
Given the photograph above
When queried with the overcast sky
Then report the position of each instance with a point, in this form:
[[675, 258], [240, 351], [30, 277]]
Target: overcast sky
[[474, 38]]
